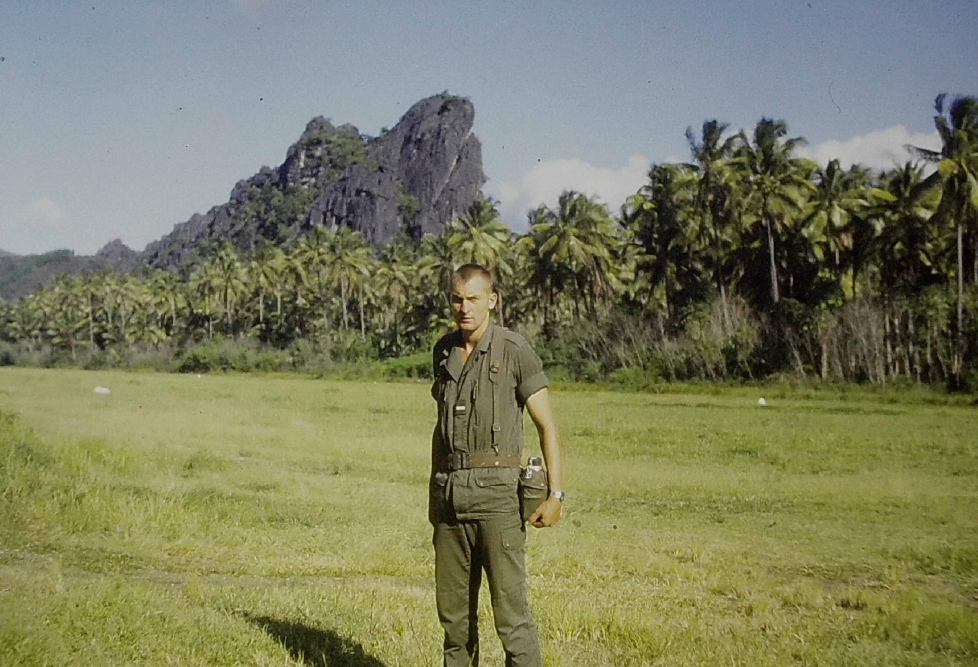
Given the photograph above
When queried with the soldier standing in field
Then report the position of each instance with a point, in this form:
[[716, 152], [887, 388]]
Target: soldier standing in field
[[484, 376]]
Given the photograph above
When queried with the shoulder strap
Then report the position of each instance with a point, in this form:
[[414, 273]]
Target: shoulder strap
[[496, 348]]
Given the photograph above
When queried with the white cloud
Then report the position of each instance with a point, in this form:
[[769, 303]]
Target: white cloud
[[47, 216], [883, 149], [546, 180]]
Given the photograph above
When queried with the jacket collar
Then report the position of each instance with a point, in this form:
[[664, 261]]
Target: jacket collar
[[456, 362]]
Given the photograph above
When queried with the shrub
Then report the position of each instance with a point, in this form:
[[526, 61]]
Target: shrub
[[413, 366]]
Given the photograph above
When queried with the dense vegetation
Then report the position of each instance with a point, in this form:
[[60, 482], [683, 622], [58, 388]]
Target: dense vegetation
[[745, 263]]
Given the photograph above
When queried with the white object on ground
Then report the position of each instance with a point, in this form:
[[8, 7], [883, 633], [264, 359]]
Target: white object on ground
[[102, 390], [761, 401]]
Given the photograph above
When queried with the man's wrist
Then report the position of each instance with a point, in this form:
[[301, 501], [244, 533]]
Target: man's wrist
[[559, 495]]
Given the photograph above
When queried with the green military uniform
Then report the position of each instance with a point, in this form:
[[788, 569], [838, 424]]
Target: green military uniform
[[473, 499]]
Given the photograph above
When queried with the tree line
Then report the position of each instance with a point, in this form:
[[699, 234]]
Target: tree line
[[747, 261]]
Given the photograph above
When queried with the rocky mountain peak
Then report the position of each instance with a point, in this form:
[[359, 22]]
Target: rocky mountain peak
[[413, 178], [416, 176]]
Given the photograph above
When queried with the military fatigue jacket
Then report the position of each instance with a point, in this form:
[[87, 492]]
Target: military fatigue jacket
[[464, 393]]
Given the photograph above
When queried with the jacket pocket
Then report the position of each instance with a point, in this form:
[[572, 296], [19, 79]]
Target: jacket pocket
[[439, 508], [492, 491]]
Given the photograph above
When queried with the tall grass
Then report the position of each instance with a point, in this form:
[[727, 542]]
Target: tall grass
[[230, 520]]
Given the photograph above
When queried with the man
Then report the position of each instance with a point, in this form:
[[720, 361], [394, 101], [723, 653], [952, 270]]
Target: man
[[484, 376]]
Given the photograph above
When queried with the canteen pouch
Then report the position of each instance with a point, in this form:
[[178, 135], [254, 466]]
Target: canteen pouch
[[533, 490]]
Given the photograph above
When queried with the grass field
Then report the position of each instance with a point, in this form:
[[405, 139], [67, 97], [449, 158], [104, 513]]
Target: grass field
[[244, 520]]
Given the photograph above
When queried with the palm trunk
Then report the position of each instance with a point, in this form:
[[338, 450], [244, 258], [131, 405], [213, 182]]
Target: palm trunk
[[723, 304], [774, 267], [959, 338], [363, 323], [960, 278], [974, 260], [91, 323]]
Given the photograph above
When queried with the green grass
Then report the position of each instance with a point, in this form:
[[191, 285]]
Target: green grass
[[246, 520]]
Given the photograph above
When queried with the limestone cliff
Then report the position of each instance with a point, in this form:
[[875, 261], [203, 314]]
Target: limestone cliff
[[411, 179]]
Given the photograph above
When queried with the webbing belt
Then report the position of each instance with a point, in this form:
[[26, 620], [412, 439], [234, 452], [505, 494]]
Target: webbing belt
[[463, 460]]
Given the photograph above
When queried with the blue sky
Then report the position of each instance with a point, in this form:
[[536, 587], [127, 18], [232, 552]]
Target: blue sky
[[122, 118]]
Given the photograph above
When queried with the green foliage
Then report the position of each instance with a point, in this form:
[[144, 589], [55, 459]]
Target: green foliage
[[408, 207], [224, 356], [413, 366]]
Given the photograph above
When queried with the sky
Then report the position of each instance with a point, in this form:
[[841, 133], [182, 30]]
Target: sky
[[122, 118]]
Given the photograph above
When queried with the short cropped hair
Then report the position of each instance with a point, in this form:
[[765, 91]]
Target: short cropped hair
[[467, 272]]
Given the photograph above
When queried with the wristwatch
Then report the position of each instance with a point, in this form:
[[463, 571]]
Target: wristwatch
[[559, 495]]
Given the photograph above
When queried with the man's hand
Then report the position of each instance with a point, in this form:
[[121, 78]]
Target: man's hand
[[547, 514]]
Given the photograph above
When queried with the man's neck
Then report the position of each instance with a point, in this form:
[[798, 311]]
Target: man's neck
[[470, 339]]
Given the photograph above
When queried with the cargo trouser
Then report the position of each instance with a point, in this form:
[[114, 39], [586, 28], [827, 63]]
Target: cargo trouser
[[462, 550]]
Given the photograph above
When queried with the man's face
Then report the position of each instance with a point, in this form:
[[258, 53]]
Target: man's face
[[472, 300]]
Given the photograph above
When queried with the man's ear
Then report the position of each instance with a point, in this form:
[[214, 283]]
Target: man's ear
[[493, 300]]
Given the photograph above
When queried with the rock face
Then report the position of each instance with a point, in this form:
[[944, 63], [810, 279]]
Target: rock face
[[417, 176], [118, 256], [412, 179]]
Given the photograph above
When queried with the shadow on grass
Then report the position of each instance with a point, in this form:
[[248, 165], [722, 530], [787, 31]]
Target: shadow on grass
[[315, 647]]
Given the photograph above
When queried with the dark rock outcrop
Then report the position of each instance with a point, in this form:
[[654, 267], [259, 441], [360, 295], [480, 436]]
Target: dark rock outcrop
[[118, 255], [417, 176], [412, 179]]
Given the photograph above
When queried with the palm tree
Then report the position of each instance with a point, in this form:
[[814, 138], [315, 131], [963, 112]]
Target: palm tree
[[27, 321], [480, 236], [909, 242], [315, 253], [838, 196], [69, 312], [205, 285], [350, 268], [572, 249], [265, 273], [167, 301], [661, 219], [231, 281], [775, 183], [957, 178], [392, 287], [714, 194]]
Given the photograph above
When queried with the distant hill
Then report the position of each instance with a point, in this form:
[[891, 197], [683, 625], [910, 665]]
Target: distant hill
[[412, 179], [22, 274]]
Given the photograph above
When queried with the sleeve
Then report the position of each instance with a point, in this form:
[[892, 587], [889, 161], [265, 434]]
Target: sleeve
[[530, 377], [436, 355]]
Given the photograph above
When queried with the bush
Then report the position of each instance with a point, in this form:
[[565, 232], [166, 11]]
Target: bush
[[232, 355], [8, 355], [413, 366]]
